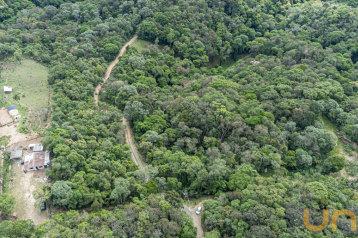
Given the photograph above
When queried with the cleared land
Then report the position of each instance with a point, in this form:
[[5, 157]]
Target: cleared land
[[23, 184], [29, 81], [141, 44], [16, 136], [5, 117], [339, 148]]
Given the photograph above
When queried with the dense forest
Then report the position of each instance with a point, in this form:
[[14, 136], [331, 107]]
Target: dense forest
[[251, 135]]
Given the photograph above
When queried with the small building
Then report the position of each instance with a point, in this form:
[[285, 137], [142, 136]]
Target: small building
[[31, 146], [37, 160], [10, 108], [5, 117], [38, 148], [7, 89], [16, 153]]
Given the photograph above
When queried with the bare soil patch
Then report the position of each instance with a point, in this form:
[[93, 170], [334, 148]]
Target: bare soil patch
[[15, 135], [22, 186], [5, 117]]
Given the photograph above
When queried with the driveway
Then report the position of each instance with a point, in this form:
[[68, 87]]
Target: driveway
[[196, 219]]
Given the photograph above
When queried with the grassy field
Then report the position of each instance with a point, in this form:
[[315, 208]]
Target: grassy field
[[141, 44], [331, 128], [339, 149], [29, 81]]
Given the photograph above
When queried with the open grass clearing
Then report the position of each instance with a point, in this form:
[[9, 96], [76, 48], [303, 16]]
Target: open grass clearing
[[29, 81], [143, 44], [339, 149]]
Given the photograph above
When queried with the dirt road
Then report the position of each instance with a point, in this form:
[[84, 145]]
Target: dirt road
[[110, 68], [196, 219], [128, 131], [129, 140]]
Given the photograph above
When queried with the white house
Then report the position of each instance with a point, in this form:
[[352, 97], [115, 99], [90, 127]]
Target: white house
[[36, 147], [7, 89]]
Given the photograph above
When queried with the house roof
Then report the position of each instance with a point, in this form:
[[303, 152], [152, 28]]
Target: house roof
[[36, 159], [7, 89], [16, 153], [38, 148], [12, 107]]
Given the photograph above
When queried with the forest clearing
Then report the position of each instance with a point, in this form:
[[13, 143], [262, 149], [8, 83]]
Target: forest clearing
[[31, 96], [29, 83], [349, 150]]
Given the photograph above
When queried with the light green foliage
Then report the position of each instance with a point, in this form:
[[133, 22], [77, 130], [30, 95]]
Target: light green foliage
[[121, 190], [334, 163], [244, 176], [61, 194], [7, 203], [317, 190]]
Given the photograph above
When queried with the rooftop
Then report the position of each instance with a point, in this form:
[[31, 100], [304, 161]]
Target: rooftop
[[36, 159], [38, 147], [12, 107], [16, 153], [7, 89]]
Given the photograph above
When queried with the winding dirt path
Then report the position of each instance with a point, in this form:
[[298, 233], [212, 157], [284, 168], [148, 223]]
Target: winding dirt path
[[110, 68], [128, 131]]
